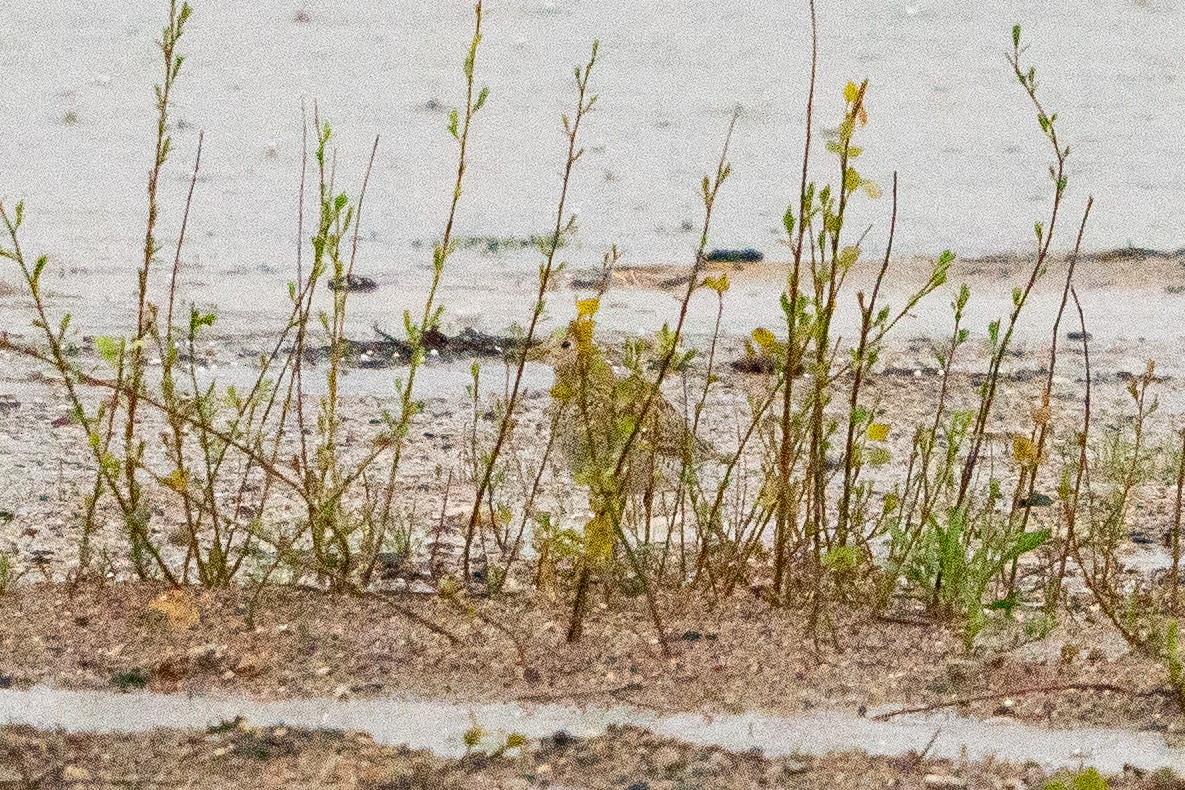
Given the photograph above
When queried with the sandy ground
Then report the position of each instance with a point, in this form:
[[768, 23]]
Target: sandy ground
[[44, 464], [235, 755]]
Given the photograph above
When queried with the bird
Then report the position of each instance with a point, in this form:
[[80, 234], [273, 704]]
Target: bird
[[595, 411]]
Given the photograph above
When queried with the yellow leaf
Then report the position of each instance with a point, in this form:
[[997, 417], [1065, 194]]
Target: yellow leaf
[[598, 539], [871, 188], [878, 431], [588, 307], [765, 339], [878, 456], [850, 92], [717, 284], [1024, 451], [178, 480], [851, 179], [582, 332]]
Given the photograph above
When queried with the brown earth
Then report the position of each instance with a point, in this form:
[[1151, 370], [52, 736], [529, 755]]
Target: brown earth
[[741, 655], [235, 755]]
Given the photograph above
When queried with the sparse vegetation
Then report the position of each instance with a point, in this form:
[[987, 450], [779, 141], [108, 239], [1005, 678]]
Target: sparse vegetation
[[799, 499]]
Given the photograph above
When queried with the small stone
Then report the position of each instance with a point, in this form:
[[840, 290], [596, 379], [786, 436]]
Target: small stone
[[322, 671], [1005, 707], [206, 654], [76, 773], [247, 665], [176, 608], [777, 772], [668, 759]]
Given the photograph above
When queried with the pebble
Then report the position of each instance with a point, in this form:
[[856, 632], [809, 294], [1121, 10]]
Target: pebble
[[76, 773]]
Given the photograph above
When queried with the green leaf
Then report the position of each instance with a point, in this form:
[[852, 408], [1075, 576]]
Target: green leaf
[[878, 456], [841, 558], [1026, 542], [787, 307], [963, 297], [109, 349], [39, 267], [198, 319], [1005, 604], [1090, 780], [848, 257]]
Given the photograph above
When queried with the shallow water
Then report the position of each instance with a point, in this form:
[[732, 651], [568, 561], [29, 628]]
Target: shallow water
[[945, 114], [439, 726]]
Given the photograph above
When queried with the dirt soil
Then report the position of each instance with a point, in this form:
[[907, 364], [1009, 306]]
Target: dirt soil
[[739, 656], [234, 755]]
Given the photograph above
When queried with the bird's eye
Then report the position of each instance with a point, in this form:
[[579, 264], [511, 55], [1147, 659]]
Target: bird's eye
[[566, 344]]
